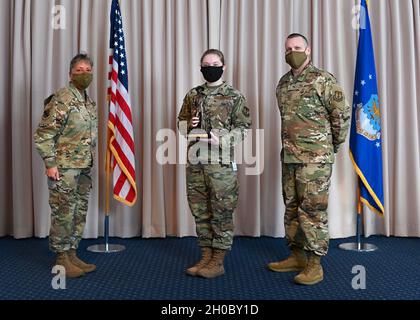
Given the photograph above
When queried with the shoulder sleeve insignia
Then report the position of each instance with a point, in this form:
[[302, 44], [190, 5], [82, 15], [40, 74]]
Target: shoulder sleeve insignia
[[338, 96]]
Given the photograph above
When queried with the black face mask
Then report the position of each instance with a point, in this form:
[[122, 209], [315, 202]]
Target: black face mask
[[212, 74]]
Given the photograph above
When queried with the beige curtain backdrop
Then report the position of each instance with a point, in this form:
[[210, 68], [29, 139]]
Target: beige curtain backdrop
[[165, 39]]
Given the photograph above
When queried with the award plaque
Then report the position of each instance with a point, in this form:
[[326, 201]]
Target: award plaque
[[197, 134]]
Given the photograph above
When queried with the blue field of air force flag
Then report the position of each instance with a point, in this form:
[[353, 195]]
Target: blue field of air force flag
[[365, 133]]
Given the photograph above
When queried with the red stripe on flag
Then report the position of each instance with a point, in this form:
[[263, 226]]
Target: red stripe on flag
[[114, 75], [120, 183], [124, 133], [131, 195], [123, 158], [124, 106], [111, 119]]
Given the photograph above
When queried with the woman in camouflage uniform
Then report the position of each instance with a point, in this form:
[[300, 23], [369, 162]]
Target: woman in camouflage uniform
[[66, 140], [212, 184]]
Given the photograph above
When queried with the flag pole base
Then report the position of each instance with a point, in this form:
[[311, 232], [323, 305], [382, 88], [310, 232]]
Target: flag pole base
[[106, 248], [359, 247]]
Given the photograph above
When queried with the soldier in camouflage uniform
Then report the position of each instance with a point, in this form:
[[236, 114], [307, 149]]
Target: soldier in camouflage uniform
[[315, 119], [212, 184], [66, 140]]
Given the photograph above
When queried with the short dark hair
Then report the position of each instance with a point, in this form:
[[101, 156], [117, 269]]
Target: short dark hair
[[295, 35], [80, 57], [213, 51]]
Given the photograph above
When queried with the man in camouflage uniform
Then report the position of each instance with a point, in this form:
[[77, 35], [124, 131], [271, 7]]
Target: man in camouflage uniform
[[212, 184], [315, 119], [66, 140]]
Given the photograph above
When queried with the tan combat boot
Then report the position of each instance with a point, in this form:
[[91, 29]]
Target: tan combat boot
[[295, 262], [206, 254], [86, 267], [72, 271], [215, 267], [313, 272]]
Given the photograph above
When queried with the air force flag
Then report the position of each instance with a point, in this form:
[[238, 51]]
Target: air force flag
[[365, 133]]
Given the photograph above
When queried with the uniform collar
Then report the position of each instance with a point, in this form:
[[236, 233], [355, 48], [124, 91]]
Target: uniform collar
[[219, 90], [77, 93], [303, 75]]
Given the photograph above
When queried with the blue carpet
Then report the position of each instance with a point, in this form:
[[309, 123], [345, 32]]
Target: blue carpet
[[154, 269]]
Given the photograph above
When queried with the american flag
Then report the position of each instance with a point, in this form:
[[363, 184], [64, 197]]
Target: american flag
[[121, 138]]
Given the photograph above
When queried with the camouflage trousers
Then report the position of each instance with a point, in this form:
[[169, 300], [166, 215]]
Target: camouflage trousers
[[305, 194], [68, 200], [212, 191]]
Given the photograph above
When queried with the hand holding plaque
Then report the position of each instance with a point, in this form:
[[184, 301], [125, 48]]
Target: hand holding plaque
[[199, 130]]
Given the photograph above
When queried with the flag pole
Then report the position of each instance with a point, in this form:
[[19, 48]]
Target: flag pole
[[358, 246], [107, 179], [359, 219], [106, 247]]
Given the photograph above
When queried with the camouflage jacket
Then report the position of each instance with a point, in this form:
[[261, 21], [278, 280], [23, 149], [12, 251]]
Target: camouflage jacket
[[314, 116], [66, 136], [223, 111]]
